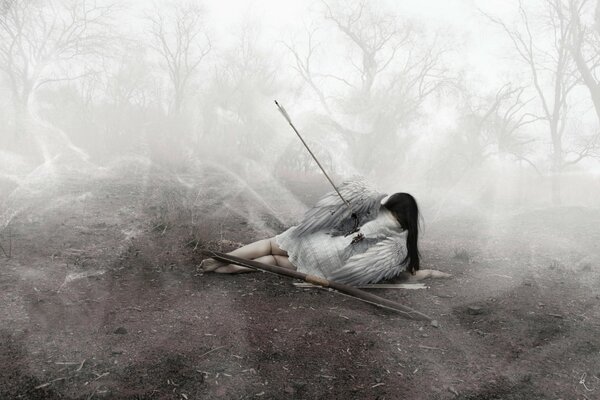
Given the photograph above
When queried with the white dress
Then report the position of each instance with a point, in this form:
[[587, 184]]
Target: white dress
[[373, 258]]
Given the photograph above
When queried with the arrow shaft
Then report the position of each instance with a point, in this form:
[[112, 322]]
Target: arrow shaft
[[289, 120]]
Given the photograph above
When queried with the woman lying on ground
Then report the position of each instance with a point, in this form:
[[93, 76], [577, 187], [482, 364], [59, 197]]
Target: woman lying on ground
[[327, 244]]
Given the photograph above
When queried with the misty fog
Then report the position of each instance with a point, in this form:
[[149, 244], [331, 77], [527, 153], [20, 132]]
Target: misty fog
[[131, 121], [446, 98]]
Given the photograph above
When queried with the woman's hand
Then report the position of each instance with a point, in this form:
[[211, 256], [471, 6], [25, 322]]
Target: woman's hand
[[429, 273]]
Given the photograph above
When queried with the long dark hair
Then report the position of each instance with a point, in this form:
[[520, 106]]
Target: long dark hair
[[405, 209]]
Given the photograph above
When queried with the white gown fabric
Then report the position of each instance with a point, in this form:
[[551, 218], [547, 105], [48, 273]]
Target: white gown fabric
[[378, 256]]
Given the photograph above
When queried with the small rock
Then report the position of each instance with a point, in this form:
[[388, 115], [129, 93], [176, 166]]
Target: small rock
[[120, 331], [474, 310], [452, 390], [103, 394], [298, 384], [288, 390]]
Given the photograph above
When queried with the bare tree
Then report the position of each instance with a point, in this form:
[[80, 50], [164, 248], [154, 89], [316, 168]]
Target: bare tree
[[304, 67], [546, 54], [384, 43], [39, 37], [391, 73], [585, 48], [126, 86], [181, 39], [373, 33], [493, 124], [244, 86]]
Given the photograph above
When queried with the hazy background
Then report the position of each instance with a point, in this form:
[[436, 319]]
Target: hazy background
[[489, 104], [134, 134]]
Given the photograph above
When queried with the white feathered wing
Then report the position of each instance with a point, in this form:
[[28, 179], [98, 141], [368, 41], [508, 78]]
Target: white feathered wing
[[381, 261], [331, 213]]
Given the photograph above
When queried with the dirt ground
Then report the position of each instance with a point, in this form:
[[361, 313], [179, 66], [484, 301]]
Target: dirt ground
[[102, 298]]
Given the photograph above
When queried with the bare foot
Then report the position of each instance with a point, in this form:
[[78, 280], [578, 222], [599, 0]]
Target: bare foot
[[209, 264], [233, 269]]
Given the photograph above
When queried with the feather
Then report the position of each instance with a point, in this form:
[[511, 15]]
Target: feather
[[331, 213], [381, 261]]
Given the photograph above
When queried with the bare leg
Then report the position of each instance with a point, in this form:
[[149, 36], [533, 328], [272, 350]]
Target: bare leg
[[261, 248], [280, 261], [253, 251], [284, 261], [249, 251], [236, 269]]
